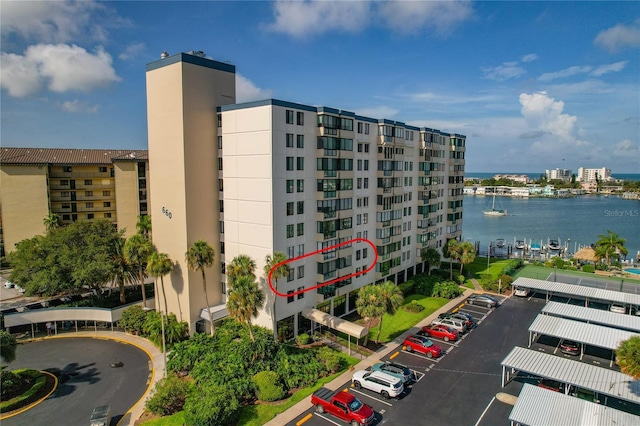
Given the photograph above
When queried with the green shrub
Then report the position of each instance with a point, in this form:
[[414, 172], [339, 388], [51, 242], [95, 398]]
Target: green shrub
[[303, 339], [298, 368], [330, 358], [174, 330], [11, 385], [269, 387], [133, 319], [184, 355], [446, 289], [169, 395], [506, 280], [588, 268], [210, 405], [407, 288], [424, 284], [413, 307], [33, 386]]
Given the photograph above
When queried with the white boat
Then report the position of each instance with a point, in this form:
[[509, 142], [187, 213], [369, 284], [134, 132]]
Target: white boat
[[494, 211], [554, 245], [520, 245], [500, 243]]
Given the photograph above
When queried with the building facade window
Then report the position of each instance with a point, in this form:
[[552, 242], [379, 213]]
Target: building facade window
[[289, 117], [90, 216], [300, 185], [66, 169], [106, 204], [289, 231], [221, 205], [102, 169], [300, 271], [300, 118], [107, 215], [88, 182], [106, 193], [289, 186], [289, 163], [300, 141], [292, 275], [300, 163], [64, 182], [300, 292], [290, 297], [300, 229], [289, 140], [88, 193], [300, 207]]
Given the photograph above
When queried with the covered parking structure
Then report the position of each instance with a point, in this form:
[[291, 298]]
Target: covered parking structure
[[593, 316], [551, 288], [563, 409], [603, 381], [580, 332]]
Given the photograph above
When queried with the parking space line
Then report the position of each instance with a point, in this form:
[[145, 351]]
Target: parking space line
[[304, 419], [372, 397], [327, 419], [485, 411], [415, 373], [423, 356]]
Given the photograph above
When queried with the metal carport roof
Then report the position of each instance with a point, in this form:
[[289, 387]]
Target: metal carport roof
[[348, 327], [593, 316], [602, 380], [581, 332], [577, 290], [542, 407]]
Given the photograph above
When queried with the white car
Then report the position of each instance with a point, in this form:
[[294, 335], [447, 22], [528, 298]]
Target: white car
[[385, 384], [618, 309], [8, 284], [521, 291]]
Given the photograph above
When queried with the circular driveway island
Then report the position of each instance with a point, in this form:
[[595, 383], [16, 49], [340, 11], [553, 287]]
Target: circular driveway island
[[86, 379]]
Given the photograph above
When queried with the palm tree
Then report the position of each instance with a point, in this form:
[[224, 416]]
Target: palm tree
[[144, 225], [137, 250], [370, 305], [468, 254], [123, 271], [431, 256], [628, 357], [200, 256], [280, 270], [159, 265], [8, 346], [452, 251], [392, 298], [241, 265], [51, 222], [612, 246], [245, 298]]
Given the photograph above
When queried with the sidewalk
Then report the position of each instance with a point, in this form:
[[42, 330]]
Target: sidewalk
[[156, 364], [304, 405]]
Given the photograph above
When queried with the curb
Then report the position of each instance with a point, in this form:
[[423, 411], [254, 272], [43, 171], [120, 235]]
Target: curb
[[33, 404]]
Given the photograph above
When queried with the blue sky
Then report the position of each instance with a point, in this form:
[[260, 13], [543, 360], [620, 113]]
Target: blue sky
[[533, 85]]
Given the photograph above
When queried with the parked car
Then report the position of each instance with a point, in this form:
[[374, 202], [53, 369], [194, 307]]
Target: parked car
[[422, 345], [483, 299], [521, 291], [344, 406], [618, 309], [385, 384], [465, 318], [400, 371], [569, 347], [440, 331], [8, 284], [551, 385], [456, 324]]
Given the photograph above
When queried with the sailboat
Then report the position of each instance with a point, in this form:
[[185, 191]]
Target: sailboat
[[494, 211]]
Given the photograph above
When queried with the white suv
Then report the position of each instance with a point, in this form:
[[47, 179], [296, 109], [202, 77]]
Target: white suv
[[453, 323], [379, 382]]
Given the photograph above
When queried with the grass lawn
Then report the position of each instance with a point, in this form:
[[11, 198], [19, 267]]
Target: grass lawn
[[479, 267], [395, 325], [256, 415]]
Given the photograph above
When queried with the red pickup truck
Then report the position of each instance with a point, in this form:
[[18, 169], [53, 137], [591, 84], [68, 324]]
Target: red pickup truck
[[344, 406]]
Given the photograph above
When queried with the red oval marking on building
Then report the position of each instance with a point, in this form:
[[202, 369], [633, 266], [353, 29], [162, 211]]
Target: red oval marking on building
[[355, 240]]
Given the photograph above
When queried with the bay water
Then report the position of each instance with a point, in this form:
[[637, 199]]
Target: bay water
[[576, 221]]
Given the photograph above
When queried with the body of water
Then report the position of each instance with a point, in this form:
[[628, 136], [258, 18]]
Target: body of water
[[488, 175], [578, 221]]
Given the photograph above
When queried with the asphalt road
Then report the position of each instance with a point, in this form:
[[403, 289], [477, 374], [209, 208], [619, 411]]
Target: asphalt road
[[460, 387], [86, 379]]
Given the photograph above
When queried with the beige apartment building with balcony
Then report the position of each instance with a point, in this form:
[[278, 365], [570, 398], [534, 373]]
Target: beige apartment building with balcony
[[75, 184], [276, 176]]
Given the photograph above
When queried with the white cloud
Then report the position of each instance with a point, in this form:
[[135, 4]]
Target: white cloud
[[529, 58], [544, 113], [378, 112], [506, 71], [246, 91], [605, 69], [58, 21], [305, 18], [627, 148], [132, 51], [567, 72], [311, 17], [59, 68], [409, 16], [618, 37], [78, 106]]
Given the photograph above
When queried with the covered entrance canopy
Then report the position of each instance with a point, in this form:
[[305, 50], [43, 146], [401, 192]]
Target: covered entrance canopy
[[347, 327]]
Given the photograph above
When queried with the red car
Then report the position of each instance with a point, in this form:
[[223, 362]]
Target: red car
[[441, 332], [422, 345]]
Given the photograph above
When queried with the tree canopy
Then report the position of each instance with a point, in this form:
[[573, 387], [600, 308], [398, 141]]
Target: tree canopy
[[199, 257], [68, 259], [628, 357]]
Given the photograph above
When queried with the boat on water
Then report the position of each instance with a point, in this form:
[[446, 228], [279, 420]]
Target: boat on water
[[493, 211], [520, 245], [500, 243], [554, 245]]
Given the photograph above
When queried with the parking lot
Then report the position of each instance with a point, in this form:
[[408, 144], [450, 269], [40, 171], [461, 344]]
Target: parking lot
[[460, 387]]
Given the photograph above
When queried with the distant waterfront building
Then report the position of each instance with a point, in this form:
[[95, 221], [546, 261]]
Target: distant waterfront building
[[277, 176], [516, 178], [75, 184], [559, 174], [588, 175]]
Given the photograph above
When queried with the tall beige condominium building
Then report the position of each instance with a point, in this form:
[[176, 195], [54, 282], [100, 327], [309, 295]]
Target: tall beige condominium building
[[297, 179], [75, 184]]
